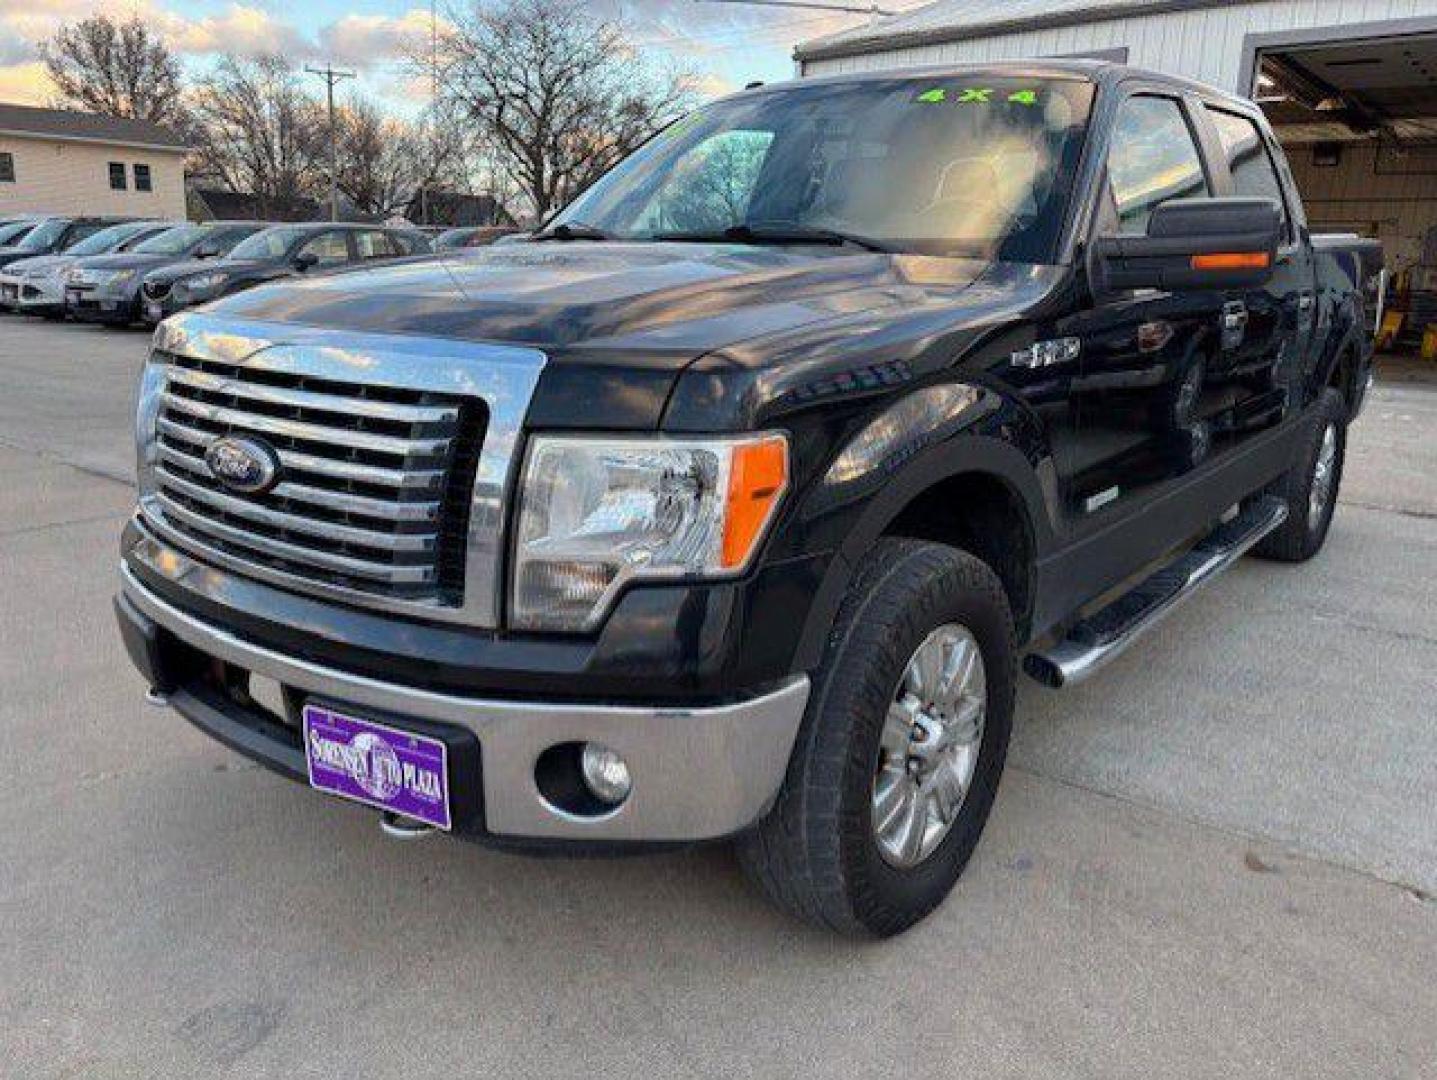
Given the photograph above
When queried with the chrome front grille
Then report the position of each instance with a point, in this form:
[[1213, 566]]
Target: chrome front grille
[[368, 475], [394, 459]]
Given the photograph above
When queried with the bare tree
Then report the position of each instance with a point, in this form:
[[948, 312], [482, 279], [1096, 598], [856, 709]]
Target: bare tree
[[258, 130], [385, 162], [559, 93], [115, 68]]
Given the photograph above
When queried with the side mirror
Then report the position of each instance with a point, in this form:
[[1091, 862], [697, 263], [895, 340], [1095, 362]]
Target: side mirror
[[207, 251], [304, 260], [1193, 244]]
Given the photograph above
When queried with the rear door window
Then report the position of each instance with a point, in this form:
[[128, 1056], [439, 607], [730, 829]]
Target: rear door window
[[376, 245], [1153, 159], [330, 248], [1254, 175]]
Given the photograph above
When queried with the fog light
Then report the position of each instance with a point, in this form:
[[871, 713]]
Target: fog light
[[605, 773]]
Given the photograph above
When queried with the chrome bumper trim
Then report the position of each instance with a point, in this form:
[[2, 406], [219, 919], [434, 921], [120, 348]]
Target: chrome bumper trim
[[699, 773]]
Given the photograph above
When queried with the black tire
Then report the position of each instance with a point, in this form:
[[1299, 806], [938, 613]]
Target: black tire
[[1302, 535], [815, 854]]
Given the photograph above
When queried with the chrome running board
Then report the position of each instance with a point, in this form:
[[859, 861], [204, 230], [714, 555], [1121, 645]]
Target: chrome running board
[[1105, 635]]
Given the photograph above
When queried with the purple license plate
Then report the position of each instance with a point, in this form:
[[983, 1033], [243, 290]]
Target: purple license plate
[[371, 763]]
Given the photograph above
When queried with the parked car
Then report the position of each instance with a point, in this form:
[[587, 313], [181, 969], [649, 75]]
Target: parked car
[[106, 288], [37, 286], [728, 504], [279, 252], [473, 236], [51, 235], [12, 228]]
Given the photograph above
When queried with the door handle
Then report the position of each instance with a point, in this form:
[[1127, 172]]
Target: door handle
[[1304, 302]]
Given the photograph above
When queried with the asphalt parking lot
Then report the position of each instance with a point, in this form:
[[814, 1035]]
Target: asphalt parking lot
[[1219, 859]]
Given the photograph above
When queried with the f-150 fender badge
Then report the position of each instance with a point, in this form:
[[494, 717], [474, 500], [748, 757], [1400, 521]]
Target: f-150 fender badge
[[248, 466], [1047, 353]]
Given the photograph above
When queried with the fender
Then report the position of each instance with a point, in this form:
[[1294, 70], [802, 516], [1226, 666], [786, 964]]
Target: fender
[[976, 440]]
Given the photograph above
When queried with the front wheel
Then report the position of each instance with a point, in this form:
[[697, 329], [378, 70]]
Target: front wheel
[[1310, 487], [897, 763]]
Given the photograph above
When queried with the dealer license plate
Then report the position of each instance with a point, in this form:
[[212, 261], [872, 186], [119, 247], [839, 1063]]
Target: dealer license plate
[[378, 765]]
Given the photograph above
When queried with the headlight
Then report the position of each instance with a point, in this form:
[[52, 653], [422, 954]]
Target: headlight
[[599, 513], [204, 282]]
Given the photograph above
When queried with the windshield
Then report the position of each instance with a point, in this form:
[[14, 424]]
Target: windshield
[[270, 244], [174, 241], [961, 165], [44, 235], [11, 234], [107, 239]]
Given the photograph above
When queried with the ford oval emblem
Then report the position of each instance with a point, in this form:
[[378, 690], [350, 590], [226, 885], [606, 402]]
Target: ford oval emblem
[[245, 465]]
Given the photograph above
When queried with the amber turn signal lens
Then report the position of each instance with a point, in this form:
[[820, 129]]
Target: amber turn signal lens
[[1253, 260], [757, 479]]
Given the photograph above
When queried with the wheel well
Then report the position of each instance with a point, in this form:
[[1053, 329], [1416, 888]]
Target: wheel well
[[982, 515], [1343, 378]]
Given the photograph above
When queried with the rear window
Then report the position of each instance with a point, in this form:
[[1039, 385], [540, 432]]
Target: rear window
[[1254, 176], [269, 244], [174, 241]]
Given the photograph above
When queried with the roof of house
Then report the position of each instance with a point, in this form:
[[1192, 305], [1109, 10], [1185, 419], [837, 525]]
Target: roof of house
[[954, 20], [456, 208], [246, 206], [68, 126]]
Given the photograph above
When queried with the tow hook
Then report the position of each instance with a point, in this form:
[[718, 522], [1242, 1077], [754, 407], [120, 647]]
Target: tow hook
[[398, 827]]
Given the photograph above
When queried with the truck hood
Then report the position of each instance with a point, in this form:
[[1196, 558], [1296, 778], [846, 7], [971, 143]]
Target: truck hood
[[619, 322], [681, 300]]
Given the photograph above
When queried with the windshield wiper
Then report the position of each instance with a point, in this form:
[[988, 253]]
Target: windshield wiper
[[576, 231], [776, 233]]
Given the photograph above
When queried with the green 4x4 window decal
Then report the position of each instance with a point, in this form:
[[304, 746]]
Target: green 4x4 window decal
[[975, 95]]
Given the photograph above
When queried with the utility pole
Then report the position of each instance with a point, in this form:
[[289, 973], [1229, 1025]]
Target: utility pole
[[331, 76]]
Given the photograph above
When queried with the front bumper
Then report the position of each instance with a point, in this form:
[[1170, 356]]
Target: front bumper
[[98, 306], [699, 772], [41, 296]]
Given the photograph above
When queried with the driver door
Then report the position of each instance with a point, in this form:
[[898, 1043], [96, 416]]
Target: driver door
[[1145, 388]]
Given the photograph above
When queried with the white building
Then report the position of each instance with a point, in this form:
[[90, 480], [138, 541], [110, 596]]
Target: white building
[[54, 161], [1350, 85]]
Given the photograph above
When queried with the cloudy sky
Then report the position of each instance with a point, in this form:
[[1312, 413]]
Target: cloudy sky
[[725, 44]]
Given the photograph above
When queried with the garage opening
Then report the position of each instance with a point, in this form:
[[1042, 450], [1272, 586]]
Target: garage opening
[[1358, 120]]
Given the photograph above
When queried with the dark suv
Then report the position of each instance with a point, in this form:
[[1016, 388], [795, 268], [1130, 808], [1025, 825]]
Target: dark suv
[[279, 252]]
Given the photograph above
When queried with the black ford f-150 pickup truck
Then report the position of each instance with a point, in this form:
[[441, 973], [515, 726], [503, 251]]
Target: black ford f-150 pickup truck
[[728, 503]]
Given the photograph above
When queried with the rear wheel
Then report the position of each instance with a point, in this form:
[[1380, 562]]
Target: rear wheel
[[897, 763], [1310, 487]]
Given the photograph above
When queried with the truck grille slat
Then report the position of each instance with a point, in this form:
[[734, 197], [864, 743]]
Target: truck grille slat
[[374, 487], [420, 480], [208, 382], [300, 556], [252, 510], [304, 431], [333, 499]]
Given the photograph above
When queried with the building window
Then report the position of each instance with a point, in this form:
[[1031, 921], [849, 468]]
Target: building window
[[142, 178], [7, 168], [117, 176]]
